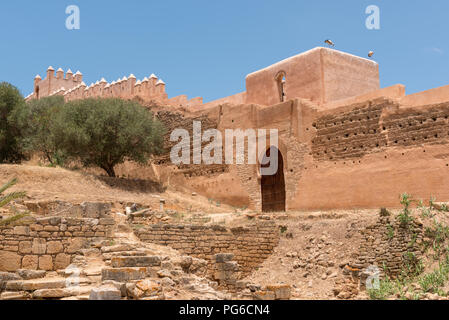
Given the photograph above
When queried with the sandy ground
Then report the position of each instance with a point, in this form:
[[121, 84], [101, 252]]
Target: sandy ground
[[46, 184], [312, 250]]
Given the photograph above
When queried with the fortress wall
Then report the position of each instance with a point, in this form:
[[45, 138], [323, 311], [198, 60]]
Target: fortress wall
[[350, 134], [304, 79], [393, 93], [432, 96], [418, 126], [73, 88], [345, 75], [236, 99], [398, 149], [321, 75], [375, 180]]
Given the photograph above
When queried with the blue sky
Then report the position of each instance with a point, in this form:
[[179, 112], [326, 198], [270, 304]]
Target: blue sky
[[207, 47]]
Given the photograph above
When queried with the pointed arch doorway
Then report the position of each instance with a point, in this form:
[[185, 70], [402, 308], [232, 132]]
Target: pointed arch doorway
[[273, 187]]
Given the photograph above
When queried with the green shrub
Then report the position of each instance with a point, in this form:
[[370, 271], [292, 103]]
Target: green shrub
[[386, 289], [433, 281], [40, 130], [12, 119], [107, 132], [405, 217]]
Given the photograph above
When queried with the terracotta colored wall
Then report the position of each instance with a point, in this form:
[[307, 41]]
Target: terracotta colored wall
[[436, 95], [357, 156], [346, 75], [394, 92], [239, 98], [320, 75]]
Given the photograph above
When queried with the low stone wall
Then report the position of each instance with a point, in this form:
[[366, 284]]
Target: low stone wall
[[250, 245], [390, 245], [48, 243]]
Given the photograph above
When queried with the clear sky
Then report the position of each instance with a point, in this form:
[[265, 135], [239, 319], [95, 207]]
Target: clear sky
[[207, 47]]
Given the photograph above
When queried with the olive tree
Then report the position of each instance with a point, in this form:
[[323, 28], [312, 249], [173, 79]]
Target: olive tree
[[106, 132], [12, 118], [40, 128]]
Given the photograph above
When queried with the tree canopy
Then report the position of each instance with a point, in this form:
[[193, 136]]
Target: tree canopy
[[12, 118], [107, 132]]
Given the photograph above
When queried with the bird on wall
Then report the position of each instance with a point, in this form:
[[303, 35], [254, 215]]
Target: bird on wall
[[370, 54], [329, 43]]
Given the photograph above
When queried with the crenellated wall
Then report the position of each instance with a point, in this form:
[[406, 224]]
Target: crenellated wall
[[344, 141], [150, 90]]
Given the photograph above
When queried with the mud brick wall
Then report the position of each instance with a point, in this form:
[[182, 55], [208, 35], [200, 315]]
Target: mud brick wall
[[48, 243], [174, 121], [351, 134], [250, 245], [389, 243], [412, 127]]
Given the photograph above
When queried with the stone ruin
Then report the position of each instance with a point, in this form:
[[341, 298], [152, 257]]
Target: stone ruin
[[86, 251]]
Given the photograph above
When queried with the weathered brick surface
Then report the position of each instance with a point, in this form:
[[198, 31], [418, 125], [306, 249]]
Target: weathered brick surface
[[351, 134], [389, 245], [375, 125]]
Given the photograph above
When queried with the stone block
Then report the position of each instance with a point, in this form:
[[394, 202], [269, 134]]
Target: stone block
[[50, 293], [137, 261], [39, 246], [95, 209], [106, 292], [46, 263], [123, 274], [107, 221], [281, 291], [25, 247], [264, 295], [75, 245], [8, 276], [30, 262], [54, 247], [62, 261], [10, 261], [31, 274], [223, 257], [21, 230]]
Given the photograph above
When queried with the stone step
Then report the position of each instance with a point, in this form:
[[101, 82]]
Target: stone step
[[83, 297], [62, 293], [45, 283], [50, 294], [136, 261], [117, 248], [15, 295], [110, 255], [124, 274]]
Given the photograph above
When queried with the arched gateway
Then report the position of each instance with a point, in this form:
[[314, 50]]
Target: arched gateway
[[273, 187]]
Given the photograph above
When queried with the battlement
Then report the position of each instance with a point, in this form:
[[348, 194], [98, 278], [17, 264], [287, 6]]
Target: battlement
[[72, 87]]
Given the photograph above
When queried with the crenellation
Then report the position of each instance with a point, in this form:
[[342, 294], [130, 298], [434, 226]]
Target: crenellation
[[72, 87]]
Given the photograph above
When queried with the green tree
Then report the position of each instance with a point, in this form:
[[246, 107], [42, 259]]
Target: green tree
[[106, 132], [40, 128], [12, 118]]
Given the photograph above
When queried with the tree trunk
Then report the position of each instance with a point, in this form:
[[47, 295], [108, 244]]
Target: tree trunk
[[109, 170]]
